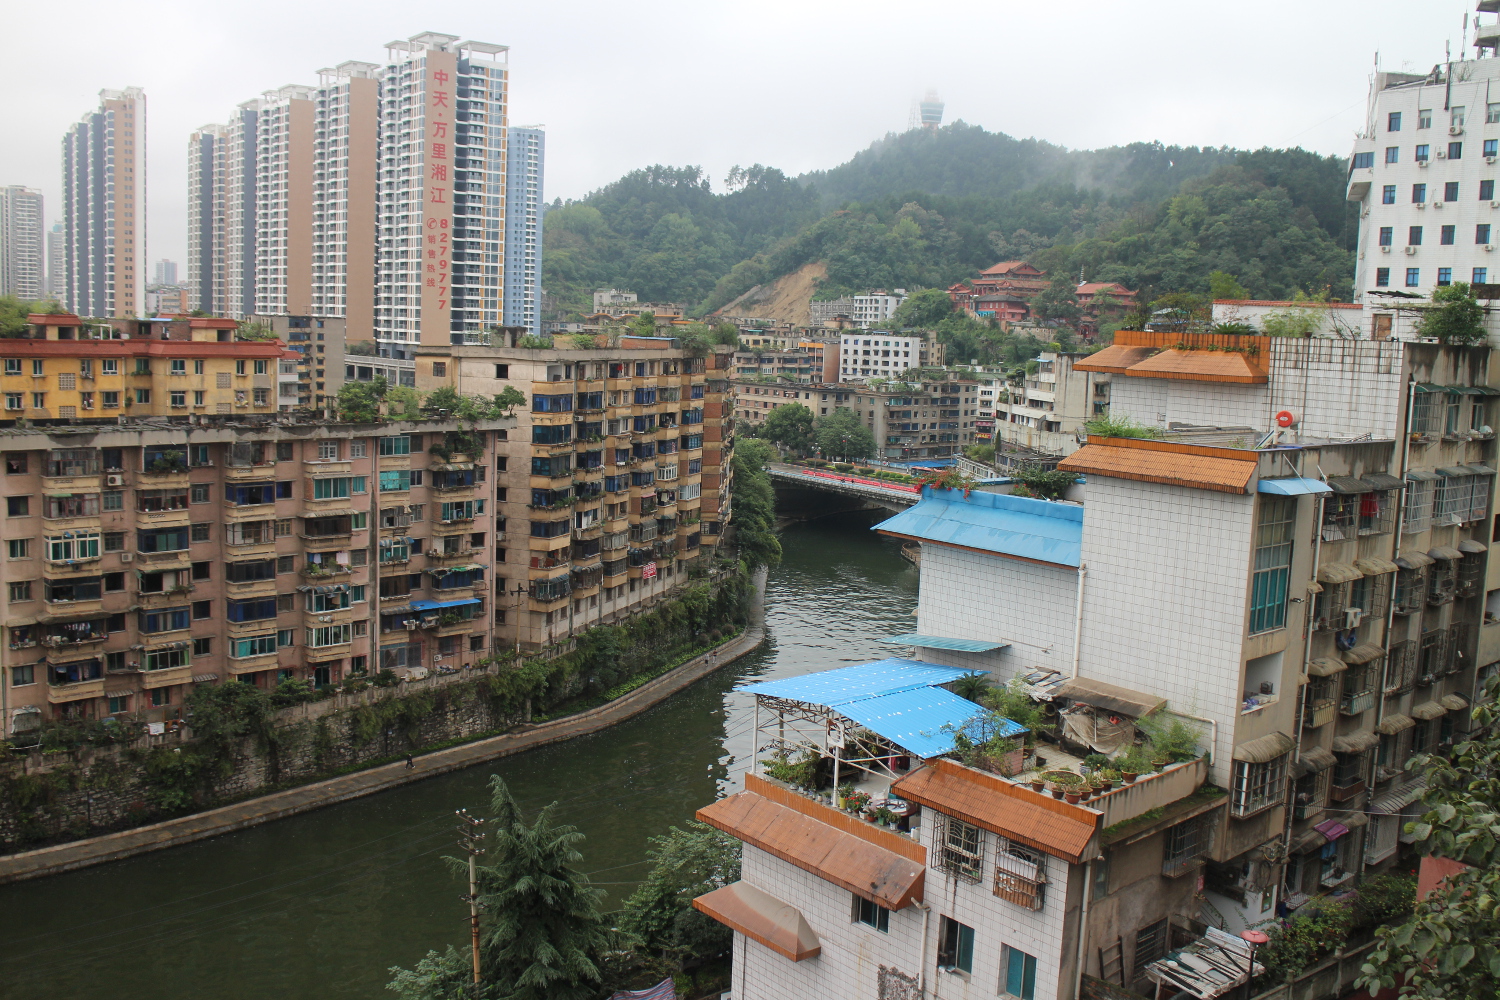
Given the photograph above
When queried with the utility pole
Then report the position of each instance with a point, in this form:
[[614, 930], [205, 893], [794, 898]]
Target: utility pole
[[469, 836]]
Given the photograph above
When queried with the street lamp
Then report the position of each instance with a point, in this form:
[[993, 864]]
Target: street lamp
[[1255, 939]]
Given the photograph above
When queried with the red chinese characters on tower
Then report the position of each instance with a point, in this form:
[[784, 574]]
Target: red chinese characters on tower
[[437, 260]]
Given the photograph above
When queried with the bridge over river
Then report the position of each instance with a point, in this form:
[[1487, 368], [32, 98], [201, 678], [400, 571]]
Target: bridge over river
[[893, 496]]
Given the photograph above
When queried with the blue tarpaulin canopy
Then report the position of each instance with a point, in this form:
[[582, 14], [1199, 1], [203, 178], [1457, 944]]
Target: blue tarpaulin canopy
[[938, 642], [1292, 487], [994, 522], [867, 680], [434, 605]]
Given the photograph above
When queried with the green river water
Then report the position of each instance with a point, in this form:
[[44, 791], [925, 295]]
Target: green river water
[[321, 905]]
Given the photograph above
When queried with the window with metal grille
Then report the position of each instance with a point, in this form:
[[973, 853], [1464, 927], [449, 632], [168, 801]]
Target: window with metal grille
[[1411, 591], [1458, 653], [1426, 412], [1371, 594], [1273, 559], [1258, 786], [962, 846], [1150, 945], [1442, 580], [1432, 655], [1020, 874], [1419, 494], [1401, 667], [1329, 606], [1183, 844]]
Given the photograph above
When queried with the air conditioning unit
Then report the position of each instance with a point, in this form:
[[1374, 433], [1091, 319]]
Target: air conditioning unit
[[1421, 206], [1440, 155], [1423, 163], [1437, 204], [114, 480], [411, 626], [1490, 159], [1454, 130], [325, 618], [127, 557], [1385, 249], [1353, 616], [1411, 250]]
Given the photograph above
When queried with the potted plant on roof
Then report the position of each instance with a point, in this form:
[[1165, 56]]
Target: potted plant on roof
[[1038, 783], [1132, 763]]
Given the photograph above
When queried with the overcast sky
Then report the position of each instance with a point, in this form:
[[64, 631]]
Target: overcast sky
[[798, 85]]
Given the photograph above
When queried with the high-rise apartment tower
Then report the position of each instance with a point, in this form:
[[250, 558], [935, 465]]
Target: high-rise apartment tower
[[57, 262], [104, 206], [442, 192], [524, 206], [21, 244]]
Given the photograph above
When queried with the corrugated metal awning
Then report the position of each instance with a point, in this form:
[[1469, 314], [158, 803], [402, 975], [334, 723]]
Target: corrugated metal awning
[[1364, 653], [337, 512], [1420, 476], [1472, 548], [1394, 723], [1454, 702], [1384, 481], [1445, 552], [1326, 666], [205, 678], [1399, 798], [1338, 573], [1266, 748], [1347, 484], [1375, 566], [939, 642], [1361, 741], [1318, 759], [1429, 710], [1412, 559], [1310, 840]]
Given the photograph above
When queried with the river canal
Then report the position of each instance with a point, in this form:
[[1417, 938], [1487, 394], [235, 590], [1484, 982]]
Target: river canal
[[320, 905]]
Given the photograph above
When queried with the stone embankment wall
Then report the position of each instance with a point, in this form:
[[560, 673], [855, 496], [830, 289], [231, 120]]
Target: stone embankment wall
[[65, 794]]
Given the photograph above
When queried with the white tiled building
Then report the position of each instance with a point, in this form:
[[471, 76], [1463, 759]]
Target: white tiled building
[[865, 310], [878, 353]]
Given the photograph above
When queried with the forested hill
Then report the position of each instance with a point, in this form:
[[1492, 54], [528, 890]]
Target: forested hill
[[927, 208]]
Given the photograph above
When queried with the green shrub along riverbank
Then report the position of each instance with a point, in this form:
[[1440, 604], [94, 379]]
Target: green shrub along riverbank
[[244, 741]]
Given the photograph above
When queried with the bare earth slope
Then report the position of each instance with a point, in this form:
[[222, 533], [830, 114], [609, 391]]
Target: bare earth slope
[[784, 300]]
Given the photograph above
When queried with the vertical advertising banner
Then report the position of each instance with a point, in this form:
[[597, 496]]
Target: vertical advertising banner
[[440, 78]]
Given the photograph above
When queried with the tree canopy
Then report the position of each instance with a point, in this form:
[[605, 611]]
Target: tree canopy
[[789, 427], [841, 435], [753, 504], [1456, 316], [1451, 946]]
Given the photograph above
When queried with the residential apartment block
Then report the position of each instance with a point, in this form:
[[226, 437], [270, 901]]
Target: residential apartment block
[[22, 249], [57, 263], [104, 207], [619, 470], [442, 192], [524, 205], [1046, 411], [1423, 173], [319, 369], [870, 309], [882, 354], [929, 419]]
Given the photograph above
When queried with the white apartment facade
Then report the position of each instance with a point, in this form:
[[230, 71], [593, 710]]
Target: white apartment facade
[[865, 310], [1046, 412], [57, 262], [1423, 172], [442, 192], [878, 354], [104, 207], [346, 143], [22, 249], [284, 200], [524, 204]]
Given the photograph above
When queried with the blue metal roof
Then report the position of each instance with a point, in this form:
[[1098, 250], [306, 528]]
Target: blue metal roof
[[434, 605], [1292, 487], [922, 722], [938, 642], [994, 522], [846, 685]]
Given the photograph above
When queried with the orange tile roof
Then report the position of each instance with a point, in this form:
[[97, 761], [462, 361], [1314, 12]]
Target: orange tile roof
[[1223, 470], [834, 855], [1201, 366], [1007, 266], [989, 801], [1114, 358], [53, 319], [151, 348]]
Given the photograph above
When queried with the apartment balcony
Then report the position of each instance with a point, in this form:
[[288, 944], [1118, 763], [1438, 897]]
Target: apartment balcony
[[166, 598], [239, 665], [328, 573], [452, 526], [244, 473], [168, 677], [322, 654], [1357, 704], [60, 642], [163, 518], [251, 588], [589, 531], [1320, 714], [446, 556], [59, 568], [75, 609], [58, 694], [166, 478], [245, 550]]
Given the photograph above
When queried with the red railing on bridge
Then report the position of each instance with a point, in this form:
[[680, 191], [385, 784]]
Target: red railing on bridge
[[860, 480]]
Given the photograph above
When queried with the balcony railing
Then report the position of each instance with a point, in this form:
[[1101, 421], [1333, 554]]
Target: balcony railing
[[1358, 703], [1022, 888]]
